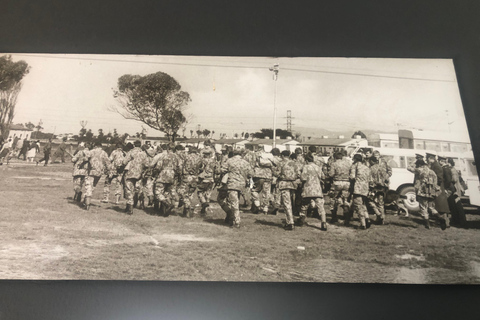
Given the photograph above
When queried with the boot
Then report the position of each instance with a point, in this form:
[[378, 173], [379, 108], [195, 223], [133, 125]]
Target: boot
[[254, 208], [135, 200], [334, 217], [105, 200], [324, 226], [367, 223], [289, 227], [129, 209], [141, 201], [205, 206], [427, 223], [87, 203], [301, 221], [75, 196], [150, 201], [117, 199], [79, 196], [156, 205]]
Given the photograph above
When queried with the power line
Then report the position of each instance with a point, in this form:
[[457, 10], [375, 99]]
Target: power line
[[236, 66]]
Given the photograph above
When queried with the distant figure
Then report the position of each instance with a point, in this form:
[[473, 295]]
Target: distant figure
[[24, 149], [60, 152], [5, 151], [32, 151], [47, 149]]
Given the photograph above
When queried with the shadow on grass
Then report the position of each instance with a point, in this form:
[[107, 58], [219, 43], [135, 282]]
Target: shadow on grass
[[219, 222], [269, 223], [471, 225]]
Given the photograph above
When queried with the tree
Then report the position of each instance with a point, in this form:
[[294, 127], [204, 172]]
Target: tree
[[89, 135], [199, 133], [29, 126], [191, 133], [101, 135], [11, 75], [246, 135], [39, 125], [213, 132], [264, 133], [235, 135], [155, 99], [206, 133], [359, 133]]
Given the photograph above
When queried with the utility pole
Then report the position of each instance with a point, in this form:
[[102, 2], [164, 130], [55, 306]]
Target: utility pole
[[289, 121], [275, 76]]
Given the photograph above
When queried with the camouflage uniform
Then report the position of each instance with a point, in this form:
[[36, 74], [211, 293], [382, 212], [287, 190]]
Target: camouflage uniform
[[189, 179], [166, 165], [297, 201], [60, 152], [287, 184], [98, 164], [205, 181], [239, 171], [426, 188], [136, 160], [312, 194], [262, 179], [80, 170], [339, 173], [147, 179], [380, 175], [115, 175], [361, 177]]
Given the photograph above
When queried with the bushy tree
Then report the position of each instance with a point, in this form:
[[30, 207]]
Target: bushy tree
[[155, 99], [264, 133], [11, 75]]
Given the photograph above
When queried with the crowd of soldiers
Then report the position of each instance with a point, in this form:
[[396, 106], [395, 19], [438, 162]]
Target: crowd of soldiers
[[166, 177]]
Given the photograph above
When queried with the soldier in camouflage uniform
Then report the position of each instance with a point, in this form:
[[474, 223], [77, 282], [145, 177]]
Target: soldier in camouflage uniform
[[339, 172], [167, 170], [189, 178], [136, 161], [146, 184], [288, 177], [262, 179], [115, 175], [206, 181], [381, 173], [239, 171], [361, 177], [312, 195], [80, 170], [99, 165], [275, 192], [426, 189]]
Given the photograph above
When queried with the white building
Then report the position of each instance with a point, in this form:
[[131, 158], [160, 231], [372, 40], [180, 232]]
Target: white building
[[19, 131]]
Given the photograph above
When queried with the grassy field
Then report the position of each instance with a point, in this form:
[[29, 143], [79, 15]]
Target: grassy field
[[45, 235]]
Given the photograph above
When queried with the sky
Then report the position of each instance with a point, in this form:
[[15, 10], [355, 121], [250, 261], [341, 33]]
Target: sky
[[237, 94]]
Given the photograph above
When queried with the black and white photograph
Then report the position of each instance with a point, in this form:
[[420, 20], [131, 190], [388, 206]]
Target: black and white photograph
[[244, 169]]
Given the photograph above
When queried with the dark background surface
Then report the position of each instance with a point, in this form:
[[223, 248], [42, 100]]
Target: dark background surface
[[393, 29]]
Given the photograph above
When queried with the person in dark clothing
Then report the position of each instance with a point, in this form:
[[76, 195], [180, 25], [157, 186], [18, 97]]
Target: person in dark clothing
[[47, 149], [441, 203], [25, 148]]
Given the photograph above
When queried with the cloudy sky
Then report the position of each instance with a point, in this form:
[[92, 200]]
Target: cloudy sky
[[235, 94]]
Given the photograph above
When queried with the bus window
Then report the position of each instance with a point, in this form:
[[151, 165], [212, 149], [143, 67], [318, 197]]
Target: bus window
[[402, 162], [390, 161], [471, 168], [411, 161]]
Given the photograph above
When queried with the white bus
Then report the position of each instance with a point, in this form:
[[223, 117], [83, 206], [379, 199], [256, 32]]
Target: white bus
[[401, 180]]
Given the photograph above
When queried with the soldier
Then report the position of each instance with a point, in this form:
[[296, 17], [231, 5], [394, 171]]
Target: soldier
[[360, 177], [98, 165], [147, 178], [289, 175], [23, 151], [339, 173], [455, 192], [312, 195], [381, 173], [167, 170], [189, 179], [60, 152], [115, 175], [262, 179], [80, 170], [46, 152], [441, 202], [205, 181], [426, 189], [135, 161], [275, 192], [239, 171]]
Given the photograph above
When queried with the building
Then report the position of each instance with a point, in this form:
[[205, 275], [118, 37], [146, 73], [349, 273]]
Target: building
[[19, 131], [281, 144], [383, 140], [327, 146], [235, 143], [433, 140]]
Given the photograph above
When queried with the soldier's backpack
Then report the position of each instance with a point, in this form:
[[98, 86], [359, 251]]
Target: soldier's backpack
[[265, 160], [289, 172]]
